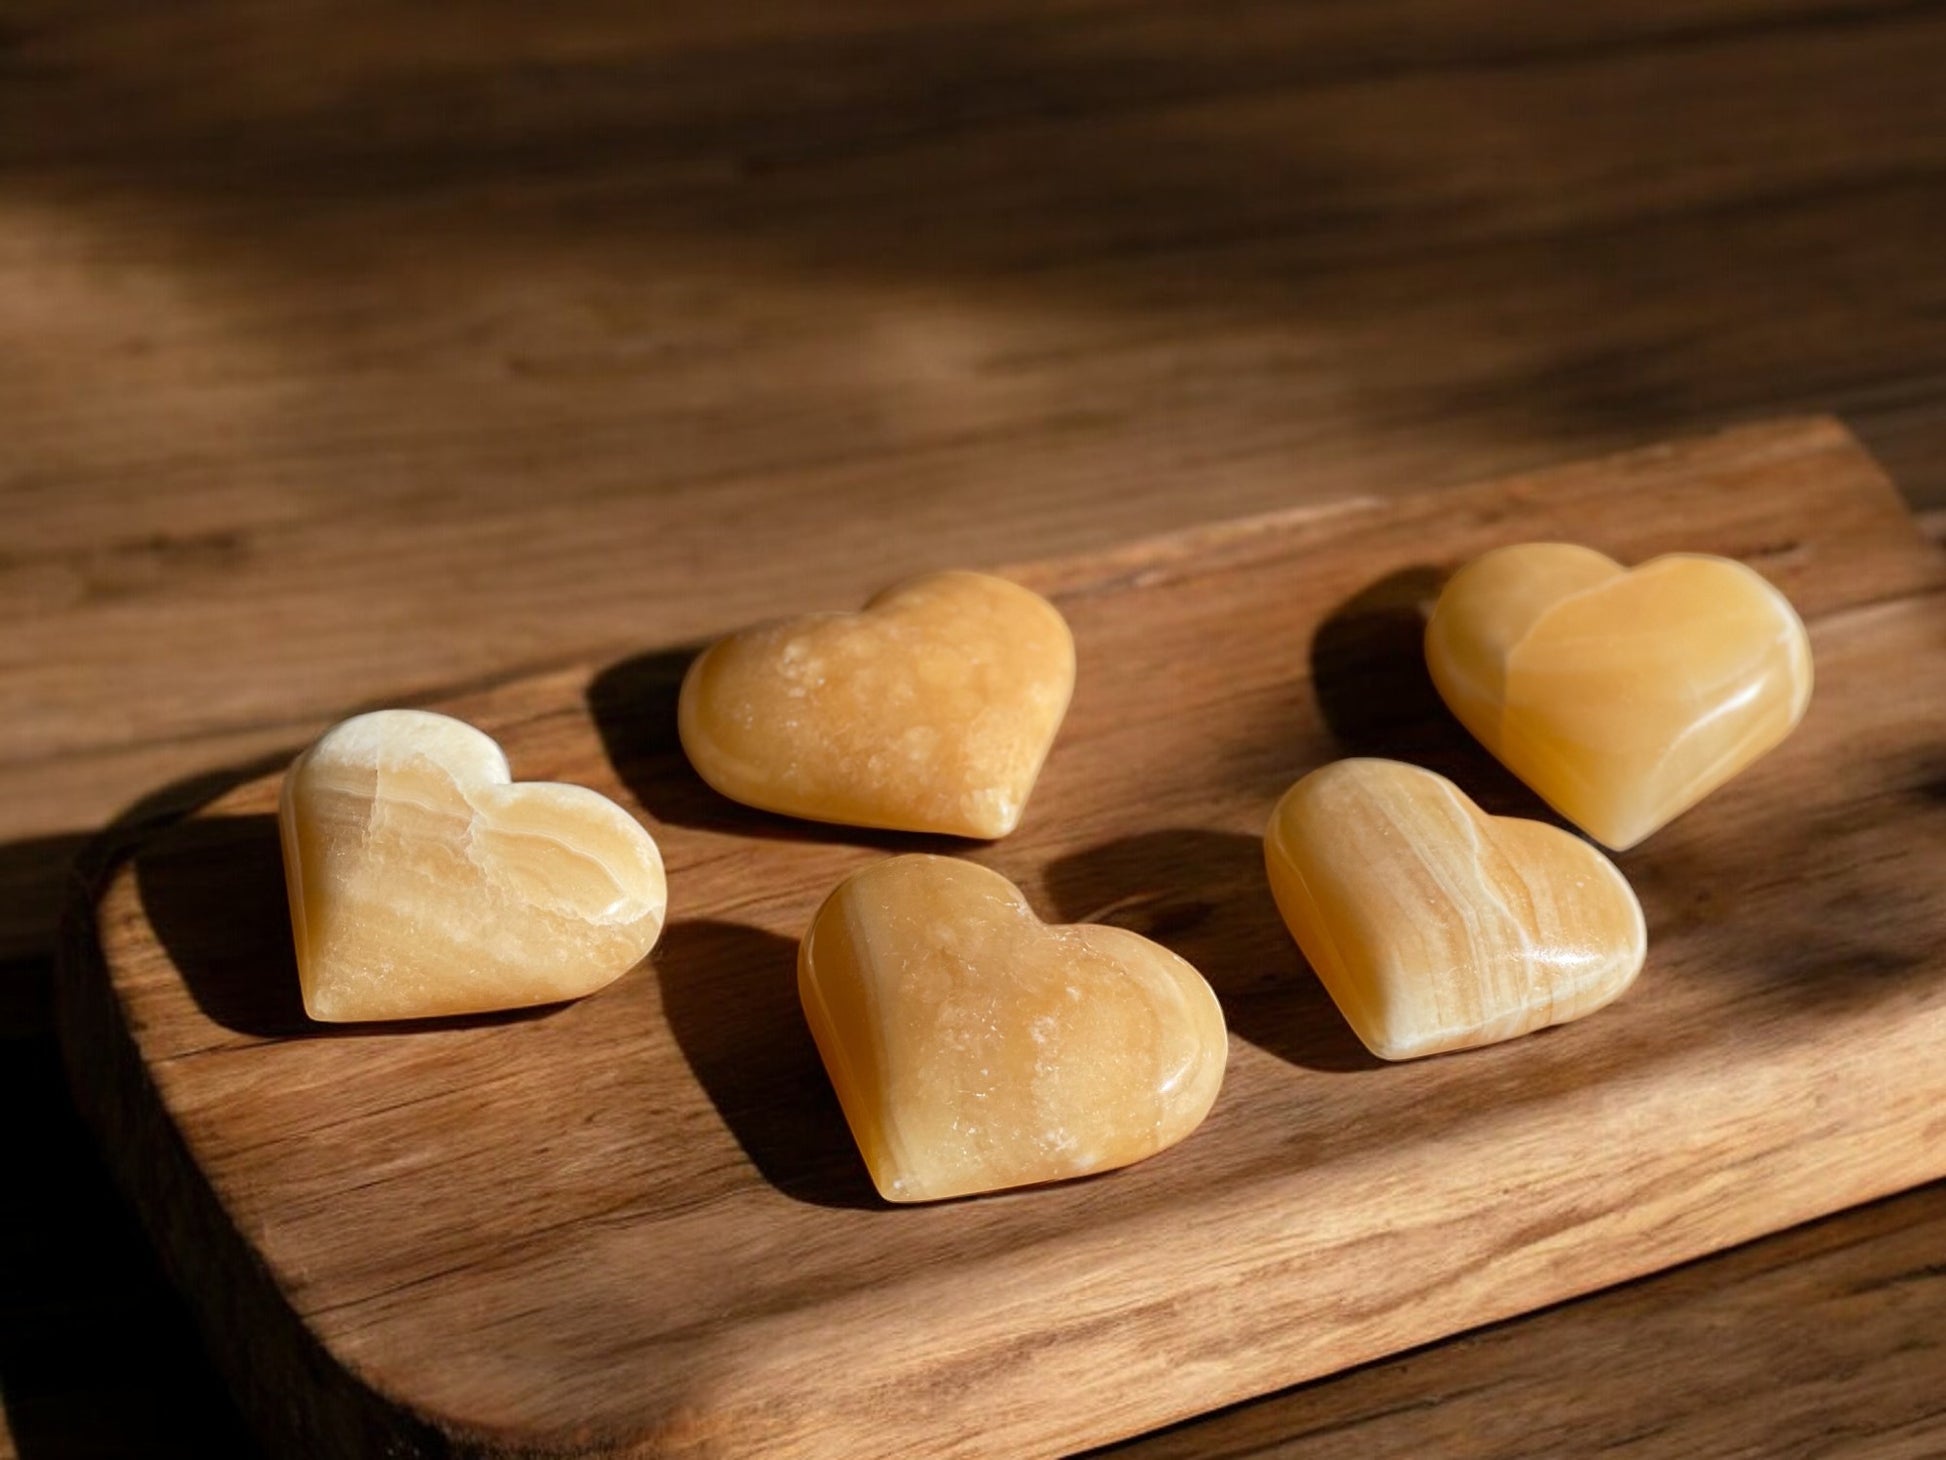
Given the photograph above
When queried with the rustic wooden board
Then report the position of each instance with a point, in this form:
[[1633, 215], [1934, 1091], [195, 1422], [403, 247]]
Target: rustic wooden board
[[636, 1224]]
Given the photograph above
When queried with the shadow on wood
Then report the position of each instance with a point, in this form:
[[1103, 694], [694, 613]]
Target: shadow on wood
[[97, 1353], [98, 1356], [1203, 895], [84, 1314], [729, 993], [1368, 668], [214, 892], [34, 876], [633, 705]]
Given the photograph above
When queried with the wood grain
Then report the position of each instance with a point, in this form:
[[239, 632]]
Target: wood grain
[[659, 1239], [357, 356], [1821, 1341], [518, 297]]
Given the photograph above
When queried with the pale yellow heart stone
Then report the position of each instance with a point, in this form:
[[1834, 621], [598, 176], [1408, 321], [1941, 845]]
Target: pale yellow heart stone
[[932, 710], [424, 882], [1622, 698], [973, 1047], [1435, 926]]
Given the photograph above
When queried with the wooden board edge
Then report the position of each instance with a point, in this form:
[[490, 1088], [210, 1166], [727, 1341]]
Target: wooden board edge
[[1146, 559], [302, 1401], [295, 1395], [323, 1407], [1094, 570]]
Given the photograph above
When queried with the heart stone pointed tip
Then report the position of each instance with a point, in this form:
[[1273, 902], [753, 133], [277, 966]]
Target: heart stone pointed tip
[[423, 881], [1435, 926], [930, 711], [975, 1048], [1622, 698]]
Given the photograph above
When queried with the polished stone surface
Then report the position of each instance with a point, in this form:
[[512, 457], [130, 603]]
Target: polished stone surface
[[974, 1047], [932, 710], [1622, 698], [1437, 927], [423, 881]]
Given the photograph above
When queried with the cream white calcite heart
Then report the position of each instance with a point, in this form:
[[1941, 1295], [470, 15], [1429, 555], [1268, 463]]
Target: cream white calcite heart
[[931, 710], [1622, 697], [424, 881], [974, 1047], [1435, 926]]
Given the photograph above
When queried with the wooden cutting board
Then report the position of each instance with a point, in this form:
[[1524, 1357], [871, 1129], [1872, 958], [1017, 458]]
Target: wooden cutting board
[[636, 1224]]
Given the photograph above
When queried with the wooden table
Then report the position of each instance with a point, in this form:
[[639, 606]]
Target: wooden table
[[360, 354]]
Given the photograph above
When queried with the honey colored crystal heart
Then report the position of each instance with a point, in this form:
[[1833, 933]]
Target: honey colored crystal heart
[[1622, 698], [1435, 926], [932, 710], [423, 881], [974, 1047]]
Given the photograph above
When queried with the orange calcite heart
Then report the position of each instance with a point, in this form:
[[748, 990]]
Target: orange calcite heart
[[973, 1047], [1622, 698], [1435, 926], [932, 710], [424, 882]]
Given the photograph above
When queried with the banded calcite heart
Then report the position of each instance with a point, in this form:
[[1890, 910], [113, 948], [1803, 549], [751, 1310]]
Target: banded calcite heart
[[1435, 926], [1622, 698], [974, 1047], [424, 882], [932, 710]]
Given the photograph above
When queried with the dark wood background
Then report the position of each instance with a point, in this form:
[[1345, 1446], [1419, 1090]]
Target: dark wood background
[[361, 351]]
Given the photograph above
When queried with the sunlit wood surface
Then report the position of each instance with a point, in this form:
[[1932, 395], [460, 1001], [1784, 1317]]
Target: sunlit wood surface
[[360, 351]]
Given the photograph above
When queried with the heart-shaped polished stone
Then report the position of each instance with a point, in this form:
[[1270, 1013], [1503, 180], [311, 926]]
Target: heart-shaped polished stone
[[1435, 926], [932, 710], [423, 881], [974, 1047], [1622, 698]]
